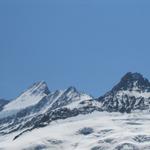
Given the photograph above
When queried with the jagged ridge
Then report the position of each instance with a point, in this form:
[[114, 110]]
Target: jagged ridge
[[37, 106]]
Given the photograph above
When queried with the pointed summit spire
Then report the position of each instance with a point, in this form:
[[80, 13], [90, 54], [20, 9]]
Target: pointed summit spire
[[30, 97], [71, 88], [132, 81], [39, 87], [133, 76]]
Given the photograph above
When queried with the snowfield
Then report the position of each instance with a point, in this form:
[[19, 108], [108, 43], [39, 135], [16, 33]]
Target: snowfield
[[95, 131]]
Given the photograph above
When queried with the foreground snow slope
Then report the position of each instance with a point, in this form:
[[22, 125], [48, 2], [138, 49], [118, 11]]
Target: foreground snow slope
[[95, 131]]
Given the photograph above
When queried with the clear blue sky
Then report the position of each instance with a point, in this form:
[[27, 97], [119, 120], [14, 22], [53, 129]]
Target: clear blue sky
[[89, 44]]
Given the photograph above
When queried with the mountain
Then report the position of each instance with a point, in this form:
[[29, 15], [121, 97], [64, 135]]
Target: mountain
[[39, 119], [131, 93], [28, 98], [37, 107]]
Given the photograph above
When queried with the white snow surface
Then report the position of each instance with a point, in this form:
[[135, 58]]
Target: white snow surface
[[30, 97], [78, 100], [110, 130]]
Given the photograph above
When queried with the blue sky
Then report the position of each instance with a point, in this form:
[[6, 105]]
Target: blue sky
[[89, 44]]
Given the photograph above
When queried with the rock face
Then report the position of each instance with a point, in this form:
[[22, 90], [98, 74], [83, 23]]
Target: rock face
[[131, 93]]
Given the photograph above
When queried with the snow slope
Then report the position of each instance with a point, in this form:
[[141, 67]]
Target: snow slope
[[30, 97], [95, 131]]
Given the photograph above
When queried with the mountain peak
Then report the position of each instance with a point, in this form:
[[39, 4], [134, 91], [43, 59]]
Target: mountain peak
[[131, 81], [131, 93], [71, 89], [39, 87], [30, 97], [132, 76]]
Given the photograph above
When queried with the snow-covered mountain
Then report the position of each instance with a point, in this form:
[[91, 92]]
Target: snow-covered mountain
[[28, 98], [37, 107], [39, 119], [131, 93]]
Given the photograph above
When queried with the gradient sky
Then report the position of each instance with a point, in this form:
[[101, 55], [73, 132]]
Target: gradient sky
[[89, 44]]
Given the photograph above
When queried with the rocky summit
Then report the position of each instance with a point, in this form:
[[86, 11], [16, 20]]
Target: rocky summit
[[130, 94]]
